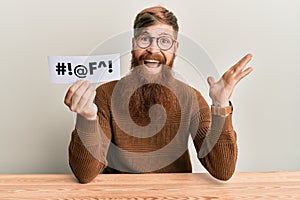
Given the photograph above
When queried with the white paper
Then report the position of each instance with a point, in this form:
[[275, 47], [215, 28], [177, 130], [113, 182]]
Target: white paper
[[99, 68]]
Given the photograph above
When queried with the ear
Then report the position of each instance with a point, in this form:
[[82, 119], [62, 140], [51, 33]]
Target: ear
[[176, 47], [133, 43]]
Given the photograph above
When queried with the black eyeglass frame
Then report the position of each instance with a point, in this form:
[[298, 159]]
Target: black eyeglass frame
[[157, 39]]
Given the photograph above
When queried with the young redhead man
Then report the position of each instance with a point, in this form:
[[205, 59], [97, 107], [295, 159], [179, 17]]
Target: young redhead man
[[141, 123]]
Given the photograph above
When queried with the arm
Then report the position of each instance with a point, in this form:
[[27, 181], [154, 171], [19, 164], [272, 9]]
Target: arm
[[88, 149], [91, 137], [215, 138], [215, 141], [84, 151]]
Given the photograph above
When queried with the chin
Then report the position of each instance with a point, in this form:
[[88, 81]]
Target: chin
[[152, 70]]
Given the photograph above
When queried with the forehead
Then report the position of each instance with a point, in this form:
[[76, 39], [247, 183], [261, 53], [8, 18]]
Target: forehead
[[158, 29]]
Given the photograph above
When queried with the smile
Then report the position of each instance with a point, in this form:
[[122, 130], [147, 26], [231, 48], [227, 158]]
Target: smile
[[152, 63]]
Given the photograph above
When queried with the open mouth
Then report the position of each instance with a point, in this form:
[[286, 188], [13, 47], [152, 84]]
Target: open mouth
[[152, 63]]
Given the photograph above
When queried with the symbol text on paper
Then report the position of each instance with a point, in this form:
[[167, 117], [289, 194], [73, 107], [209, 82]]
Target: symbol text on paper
[[81, 71]]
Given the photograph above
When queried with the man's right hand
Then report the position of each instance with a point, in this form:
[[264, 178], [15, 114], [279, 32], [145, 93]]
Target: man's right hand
[[80, 99]]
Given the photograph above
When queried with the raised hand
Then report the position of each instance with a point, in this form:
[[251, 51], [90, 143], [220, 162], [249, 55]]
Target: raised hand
[[221, 90], [80, 99]]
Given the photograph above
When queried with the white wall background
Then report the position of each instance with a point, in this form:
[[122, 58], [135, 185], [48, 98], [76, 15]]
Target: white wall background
[[35, 126]]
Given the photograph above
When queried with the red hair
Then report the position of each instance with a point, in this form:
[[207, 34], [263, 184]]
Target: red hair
[[155, 15]]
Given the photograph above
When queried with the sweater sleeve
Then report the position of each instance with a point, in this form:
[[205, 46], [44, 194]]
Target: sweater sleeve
[[90, 142], [215, 141]]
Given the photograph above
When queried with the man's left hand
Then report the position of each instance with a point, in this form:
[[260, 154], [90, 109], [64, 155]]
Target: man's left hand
[[221, 90]]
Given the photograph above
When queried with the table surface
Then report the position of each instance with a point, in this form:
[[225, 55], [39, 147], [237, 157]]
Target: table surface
[[258, 185]]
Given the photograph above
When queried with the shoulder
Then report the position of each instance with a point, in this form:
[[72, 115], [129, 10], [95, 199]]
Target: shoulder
[[188, 89], [106, 87], [104, 92], [192, 96]]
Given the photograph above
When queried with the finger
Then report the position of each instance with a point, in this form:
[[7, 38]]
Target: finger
[[243, 62], [93, 96], [84, 99], [91, 99], [246, 72], [71, 91], [211, 81], [78, 94]]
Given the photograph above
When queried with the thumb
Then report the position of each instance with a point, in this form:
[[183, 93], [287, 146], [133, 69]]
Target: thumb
[[211, 81]]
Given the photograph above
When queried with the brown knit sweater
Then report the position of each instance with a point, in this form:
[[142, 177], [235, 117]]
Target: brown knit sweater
[[103, 145]]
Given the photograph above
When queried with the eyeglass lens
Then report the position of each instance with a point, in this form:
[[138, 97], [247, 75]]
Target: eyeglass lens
[[163, 42]]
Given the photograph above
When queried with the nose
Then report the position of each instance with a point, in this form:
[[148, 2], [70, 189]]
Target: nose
[[153, 48]]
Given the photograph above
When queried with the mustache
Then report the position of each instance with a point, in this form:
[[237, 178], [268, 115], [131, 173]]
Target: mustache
[[154, 56]]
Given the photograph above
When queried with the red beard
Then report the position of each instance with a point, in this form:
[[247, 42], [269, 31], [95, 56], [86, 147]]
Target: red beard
[[153, 90]]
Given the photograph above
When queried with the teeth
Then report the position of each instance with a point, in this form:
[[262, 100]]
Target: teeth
[[152, 61]]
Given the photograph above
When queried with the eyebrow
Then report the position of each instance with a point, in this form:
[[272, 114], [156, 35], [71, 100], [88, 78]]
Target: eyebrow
[[163, 33]]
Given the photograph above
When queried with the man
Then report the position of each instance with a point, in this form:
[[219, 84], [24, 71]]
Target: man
[[141, 123]]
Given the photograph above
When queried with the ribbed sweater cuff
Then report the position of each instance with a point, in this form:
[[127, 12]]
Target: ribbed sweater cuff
[[228, 124], [88, 130], [87, 126], [224, 124]]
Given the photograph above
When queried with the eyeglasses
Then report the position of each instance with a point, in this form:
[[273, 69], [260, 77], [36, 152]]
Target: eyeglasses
[[163, 42]]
